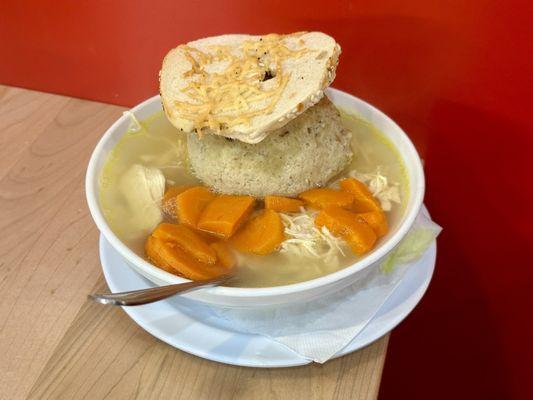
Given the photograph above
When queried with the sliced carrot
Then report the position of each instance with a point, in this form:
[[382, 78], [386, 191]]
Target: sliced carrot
[[190, 204], [188, 240], [283, 204], [177, 261], [364, 201], [225, 214], [206, 236], [152, 250], [377, 221], [326, 197], [169, 200], [224, 254], [345, 224], [260, 235]]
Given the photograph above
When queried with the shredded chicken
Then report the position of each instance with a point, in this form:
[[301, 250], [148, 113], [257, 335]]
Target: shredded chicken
[[380, 186], [143, 188], [135, 125], [305, 239]]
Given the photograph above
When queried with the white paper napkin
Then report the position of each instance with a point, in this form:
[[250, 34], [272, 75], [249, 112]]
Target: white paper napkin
[[319, 329]]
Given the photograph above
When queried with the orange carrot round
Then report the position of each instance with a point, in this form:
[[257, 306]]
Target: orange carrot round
[[283, 204], [345, 224], [187, 239], [225, 214], [260, 235], [191, 203], [326, 197], [377, 221], [363, 199], [224, 254], [174, 260]]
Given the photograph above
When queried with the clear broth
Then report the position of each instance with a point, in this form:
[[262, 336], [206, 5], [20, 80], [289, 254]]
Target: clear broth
[[158, 144]]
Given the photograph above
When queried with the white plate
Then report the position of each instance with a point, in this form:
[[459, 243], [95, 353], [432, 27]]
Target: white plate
[[189, 326]]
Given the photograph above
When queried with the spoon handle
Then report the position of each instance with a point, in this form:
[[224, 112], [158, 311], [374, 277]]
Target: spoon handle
[[146, 296]]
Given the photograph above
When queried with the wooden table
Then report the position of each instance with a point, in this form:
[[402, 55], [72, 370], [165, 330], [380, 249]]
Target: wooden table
[[53, 342]]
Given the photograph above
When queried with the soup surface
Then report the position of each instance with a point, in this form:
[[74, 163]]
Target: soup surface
[[156, 144]]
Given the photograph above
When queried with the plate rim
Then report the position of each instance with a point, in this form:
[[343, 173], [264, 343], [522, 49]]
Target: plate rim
[[299, 360]]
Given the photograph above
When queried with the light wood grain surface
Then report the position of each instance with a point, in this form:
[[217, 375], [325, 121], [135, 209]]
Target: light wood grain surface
[[54, 344]]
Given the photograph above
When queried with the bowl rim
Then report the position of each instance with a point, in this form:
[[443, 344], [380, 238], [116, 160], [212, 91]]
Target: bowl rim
[[91, 183]]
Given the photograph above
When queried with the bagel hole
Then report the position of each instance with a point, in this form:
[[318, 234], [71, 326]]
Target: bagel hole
[[268, 75]]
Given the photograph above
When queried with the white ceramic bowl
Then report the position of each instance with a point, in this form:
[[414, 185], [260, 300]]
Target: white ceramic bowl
[[260, 297]]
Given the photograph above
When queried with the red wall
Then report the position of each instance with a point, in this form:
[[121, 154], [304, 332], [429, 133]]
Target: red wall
[[456, 75]]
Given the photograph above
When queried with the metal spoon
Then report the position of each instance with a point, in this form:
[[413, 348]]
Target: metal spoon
[[150, 295]]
